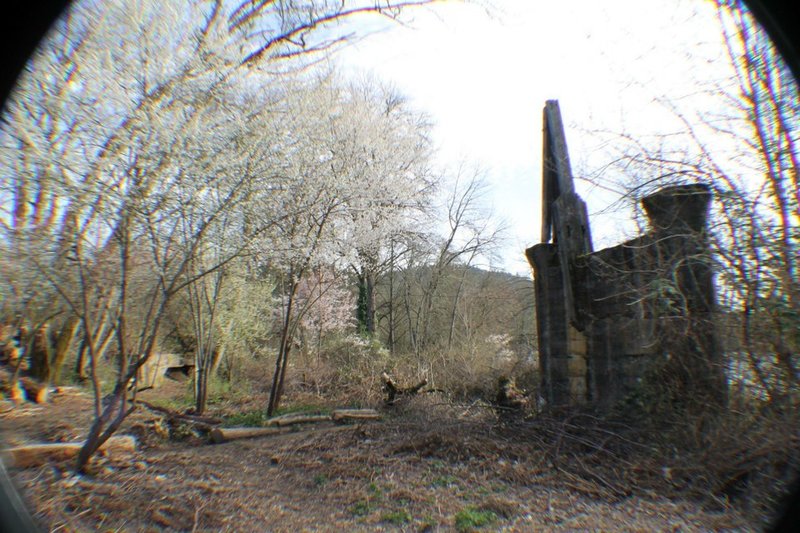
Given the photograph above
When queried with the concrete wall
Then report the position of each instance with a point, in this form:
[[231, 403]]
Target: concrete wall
[[617, 314], [153, 372]]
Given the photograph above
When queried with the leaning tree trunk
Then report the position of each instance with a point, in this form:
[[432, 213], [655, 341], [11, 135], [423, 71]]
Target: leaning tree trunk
[[276, 391]]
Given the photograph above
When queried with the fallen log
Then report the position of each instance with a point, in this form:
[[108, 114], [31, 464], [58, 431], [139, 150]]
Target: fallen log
[[355, 414], [336, 415], [220, 435], [394, 391], [38, 454], [280, 424], [288, 420]]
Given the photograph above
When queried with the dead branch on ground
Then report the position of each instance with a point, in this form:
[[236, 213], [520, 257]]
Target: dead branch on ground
[[394, 391]]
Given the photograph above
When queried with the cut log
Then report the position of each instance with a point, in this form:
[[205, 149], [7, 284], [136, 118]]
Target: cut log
[[288, 420], [220, 435], [38, 454], [355, 414]]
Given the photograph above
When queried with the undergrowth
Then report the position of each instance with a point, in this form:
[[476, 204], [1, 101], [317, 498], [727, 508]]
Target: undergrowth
[[472, 518]]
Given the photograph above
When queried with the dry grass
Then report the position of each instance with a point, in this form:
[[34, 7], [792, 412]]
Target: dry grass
[[425, 463]]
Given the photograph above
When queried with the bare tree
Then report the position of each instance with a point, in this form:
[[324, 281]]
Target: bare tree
[[471, 232], [118, 186], [746, 149]]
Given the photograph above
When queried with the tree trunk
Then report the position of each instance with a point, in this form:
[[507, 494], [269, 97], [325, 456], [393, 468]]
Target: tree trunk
[[201, 384], [391, 340], [274, 395], [218, 355], [63, 343], [276, 391], [282, 378], [113, 415], [80, 363], [366, 301], [454, 310], [40, 355]]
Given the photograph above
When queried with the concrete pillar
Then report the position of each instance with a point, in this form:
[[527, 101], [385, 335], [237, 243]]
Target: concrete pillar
[[562, 348]]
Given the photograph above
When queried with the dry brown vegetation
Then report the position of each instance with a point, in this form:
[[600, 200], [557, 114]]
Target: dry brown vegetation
[[428, 465]]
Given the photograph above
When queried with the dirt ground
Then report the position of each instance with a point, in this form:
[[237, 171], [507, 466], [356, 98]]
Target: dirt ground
[[425, 467]]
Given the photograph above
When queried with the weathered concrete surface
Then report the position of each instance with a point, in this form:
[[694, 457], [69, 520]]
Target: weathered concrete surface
[[153, 373], [608, 319]]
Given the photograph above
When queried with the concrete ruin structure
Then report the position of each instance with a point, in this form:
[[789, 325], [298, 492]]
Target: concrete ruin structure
[[608, 320], [160, 365]]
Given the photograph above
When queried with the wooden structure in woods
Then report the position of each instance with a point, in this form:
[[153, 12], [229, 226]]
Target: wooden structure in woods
[[608, 319]]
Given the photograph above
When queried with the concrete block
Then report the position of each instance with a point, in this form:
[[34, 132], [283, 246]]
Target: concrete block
[[576, 366], [577, 390]]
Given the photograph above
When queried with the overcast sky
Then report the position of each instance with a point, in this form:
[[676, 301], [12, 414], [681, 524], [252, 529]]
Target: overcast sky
[[484, 79]]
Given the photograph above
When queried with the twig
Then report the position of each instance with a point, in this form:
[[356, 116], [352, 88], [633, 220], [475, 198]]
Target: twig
[[69, 520], [196, 521]]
